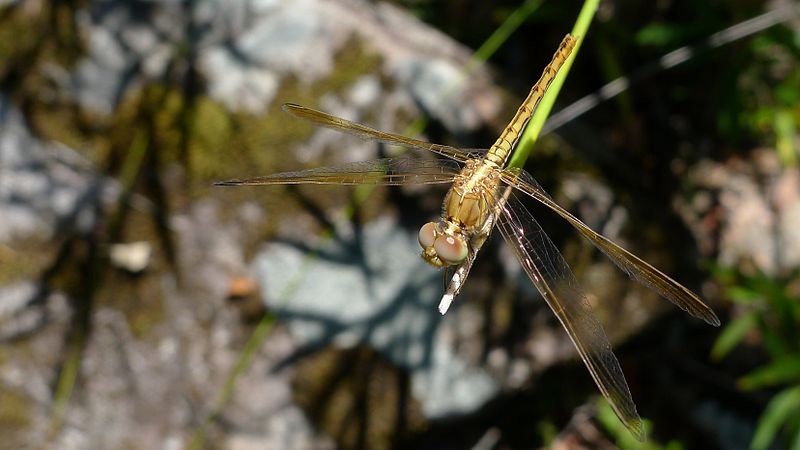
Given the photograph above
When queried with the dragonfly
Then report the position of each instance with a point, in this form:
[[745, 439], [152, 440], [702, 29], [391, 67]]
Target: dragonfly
[[483, 196]]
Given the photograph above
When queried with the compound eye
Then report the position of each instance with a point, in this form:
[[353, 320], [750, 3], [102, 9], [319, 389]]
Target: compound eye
[[450, 249], [427, 234]]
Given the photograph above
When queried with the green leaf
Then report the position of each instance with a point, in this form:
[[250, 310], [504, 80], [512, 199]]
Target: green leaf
[[785, 133], [659, 34], [673, 445], [548, 431], [770, 288], [773, 339], [502, 33], [723, 274], [782, 370], [740, 294], [796, 440], [622, 436], [779, 409], [732, 334]]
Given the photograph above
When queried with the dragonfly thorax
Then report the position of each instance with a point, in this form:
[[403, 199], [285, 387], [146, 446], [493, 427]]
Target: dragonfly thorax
[[466, 216], [442, 245]]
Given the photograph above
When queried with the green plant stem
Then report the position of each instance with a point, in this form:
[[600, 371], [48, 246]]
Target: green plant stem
[[254, 343], [481, 55], [531, 133], [501, 35]]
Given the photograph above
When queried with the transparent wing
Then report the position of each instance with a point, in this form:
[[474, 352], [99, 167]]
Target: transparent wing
[[386, 171], [365, 132], [632, 265], [553, 278]]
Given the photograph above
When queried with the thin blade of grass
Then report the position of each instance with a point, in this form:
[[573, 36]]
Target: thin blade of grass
[[733, 333], [481, 55], [782, 370], [534, 127], [779, 409], [251, 347]]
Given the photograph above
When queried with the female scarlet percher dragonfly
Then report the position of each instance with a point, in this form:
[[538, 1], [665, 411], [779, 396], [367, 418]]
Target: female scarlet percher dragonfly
[[482, 196]]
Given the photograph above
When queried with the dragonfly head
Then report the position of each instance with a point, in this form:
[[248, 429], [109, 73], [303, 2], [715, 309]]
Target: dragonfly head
[[441, 248]]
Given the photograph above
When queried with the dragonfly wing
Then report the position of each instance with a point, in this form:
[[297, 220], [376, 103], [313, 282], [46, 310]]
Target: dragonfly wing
[[386, 171], [631, 264], [365, 132], [553, 278]]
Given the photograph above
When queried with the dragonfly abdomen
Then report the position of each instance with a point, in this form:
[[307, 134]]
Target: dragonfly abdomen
[[508, 138]]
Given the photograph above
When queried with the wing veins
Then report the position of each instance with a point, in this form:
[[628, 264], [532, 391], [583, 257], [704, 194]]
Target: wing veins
[[345, 126], [552, 277], [632, 265], [386, 171]]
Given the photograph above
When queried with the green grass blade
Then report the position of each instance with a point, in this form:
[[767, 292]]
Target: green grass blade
[[782, 370], [785, 132], [254, 343], [531, 133], [779, 409], [796, 440], [501, 35], [733, 333], [481, 55]]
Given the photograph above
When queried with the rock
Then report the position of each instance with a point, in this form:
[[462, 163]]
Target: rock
[[245, 50], [151, 384], [374, 289], [133, 257], [746, 212], [45, 188]]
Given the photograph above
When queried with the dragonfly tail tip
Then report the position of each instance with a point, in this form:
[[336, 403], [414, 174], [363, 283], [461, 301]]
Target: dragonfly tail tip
[[444, 305]]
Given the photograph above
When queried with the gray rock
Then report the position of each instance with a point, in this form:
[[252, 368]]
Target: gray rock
[[439, 87], [245, 50], [375, 289], [45, 188], [753, 206], [151, 390]]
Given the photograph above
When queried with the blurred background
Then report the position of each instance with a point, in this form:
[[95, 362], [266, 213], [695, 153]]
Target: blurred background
[[141, 307]]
